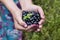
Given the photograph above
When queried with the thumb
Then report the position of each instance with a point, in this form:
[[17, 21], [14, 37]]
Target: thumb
[[20, 21], [17, 26]]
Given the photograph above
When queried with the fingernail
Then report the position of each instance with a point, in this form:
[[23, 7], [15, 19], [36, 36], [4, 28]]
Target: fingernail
[[38, 29], [39, 23], [40, 26], [25, 25]]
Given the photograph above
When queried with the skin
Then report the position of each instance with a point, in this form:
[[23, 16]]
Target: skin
[[29, 6], [17, 13]]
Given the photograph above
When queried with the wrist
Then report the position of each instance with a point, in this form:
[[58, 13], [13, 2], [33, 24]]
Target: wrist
[[11, 6], [26, 3]]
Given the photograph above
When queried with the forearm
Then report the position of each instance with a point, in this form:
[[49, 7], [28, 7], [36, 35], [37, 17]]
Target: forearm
[[25, 3], [11, 6]]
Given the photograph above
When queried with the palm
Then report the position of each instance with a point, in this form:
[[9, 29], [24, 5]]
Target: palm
[[39, 9]]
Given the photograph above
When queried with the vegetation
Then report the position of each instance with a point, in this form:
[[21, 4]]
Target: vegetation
[[51, 27]]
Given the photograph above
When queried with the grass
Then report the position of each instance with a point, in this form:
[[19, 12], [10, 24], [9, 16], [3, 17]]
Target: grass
[[51, 27]]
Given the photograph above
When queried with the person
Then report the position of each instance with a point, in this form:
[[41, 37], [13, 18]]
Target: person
[[11, 23]]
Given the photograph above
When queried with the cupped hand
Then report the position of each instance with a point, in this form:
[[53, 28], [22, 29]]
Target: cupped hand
[[39, 9], [16, 13], [19, 23]]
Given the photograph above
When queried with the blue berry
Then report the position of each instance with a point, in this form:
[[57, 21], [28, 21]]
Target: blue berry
[[31, 17]]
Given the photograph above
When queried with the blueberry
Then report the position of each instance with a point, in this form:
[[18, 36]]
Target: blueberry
[[31, 17]]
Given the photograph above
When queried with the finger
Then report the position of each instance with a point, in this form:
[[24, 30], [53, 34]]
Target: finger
[[41, 21], [21, 22], [17, 26], [40, 26], [39, 29], [30, 30], [31, 26], [41, 15], [18, 18], [40, 10]]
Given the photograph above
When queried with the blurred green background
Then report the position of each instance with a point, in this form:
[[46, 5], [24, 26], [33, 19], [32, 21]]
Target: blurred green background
[[51, 27]]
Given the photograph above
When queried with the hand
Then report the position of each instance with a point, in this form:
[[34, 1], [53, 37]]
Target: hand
[[16, 13], [39, 9], [17, 26], [21, 27], [18, 18], [35, 8]]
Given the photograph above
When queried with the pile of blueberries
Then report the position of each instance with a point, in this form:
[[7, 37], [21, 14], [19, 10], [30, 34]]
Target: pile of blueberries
[[31, 17]]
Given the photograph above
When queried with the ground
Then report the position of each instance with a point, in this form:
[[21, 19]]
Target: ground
[[51, 27]]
